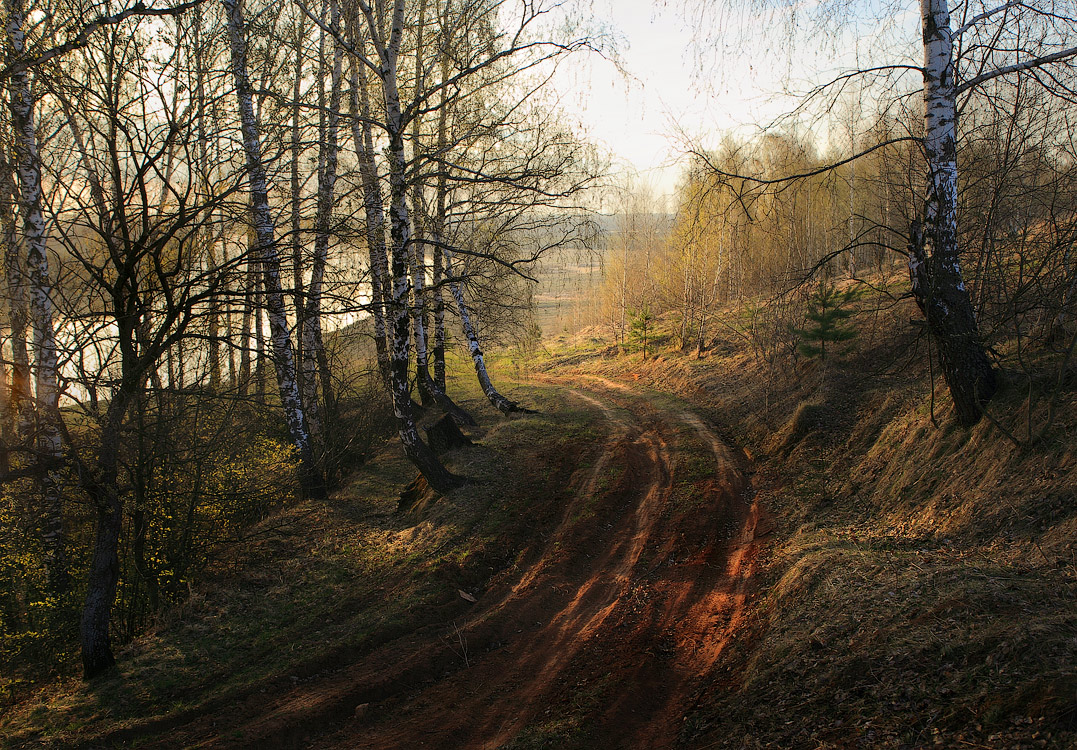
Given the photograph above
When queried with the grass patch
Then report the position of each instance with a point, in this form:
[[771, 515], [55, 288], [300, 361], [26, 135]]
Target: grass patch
[[319, 584]]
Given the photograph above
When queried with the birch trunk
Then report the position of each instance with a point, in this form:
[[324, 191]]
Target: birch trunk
[[245, 343], [417, 268], [429, 389], [213, 328], [501, 403], [934, 266], [28, 165], [17, 307], [420, 454], [363, 138], [280, 335], [296, 185], [215, 380], [439, 223], [417, 246], [327, 177], [438, 349], [259, 364]]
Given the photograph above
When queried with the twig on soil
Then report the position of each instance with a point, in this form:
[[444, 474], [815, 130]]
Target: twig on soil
[[462, 653]]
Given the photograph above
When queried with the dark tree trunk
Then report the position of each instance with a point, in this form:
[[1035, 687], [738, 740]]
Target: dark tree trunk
[[103, 490], [101, 584], [951, 321]]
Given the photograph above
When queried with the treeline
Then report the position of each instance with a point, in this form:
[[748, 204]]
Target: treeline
[[204, 208], [972, 126], [766, 229]]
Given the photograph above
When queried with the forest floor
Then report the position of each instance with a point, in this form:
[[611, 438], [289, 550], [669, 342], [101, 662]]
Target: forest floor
[[576, 593], [673, 552]]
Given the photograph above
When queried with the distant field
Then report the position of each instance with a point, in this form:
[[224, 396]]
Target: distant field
[[568, 296]]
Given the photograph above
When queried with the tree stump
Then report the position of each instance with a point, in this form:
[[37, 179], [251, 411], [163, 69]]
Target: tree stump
[[445, 435]]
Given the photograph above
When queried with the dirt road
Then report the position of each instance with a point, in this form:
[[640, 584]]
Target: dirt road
[[602, 639]]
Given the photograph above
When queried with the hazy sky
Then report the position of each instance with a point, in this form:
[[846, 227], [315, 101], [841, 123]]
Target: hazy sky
[[632, 112], [664, 90], [637, 112]]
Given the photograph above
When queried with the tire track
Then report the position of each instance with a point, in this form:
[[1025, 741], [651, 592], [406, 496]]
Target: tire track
[[631, 589]]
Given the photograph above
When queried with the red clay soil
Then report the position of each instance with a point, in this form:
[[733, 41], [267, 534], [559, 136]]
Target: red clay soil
[[602, 640]]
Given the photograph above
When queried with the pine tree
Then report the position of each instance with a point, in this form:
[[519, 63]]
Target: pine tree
[[827, 316], [641, 327]]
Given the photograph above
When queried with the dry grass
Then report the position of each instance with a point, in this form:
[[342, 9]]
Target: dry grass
[[317, 586], [921, 585]]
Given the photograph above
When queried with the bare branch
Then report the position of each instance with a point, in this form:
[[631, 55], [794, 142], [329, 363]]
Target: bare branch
[[715, 169], [81, 39], [1036, 62]]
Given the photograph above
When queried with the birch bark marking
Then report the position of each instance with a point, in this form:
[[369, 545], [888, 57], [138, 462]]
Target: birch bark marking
[[17, 308], [374, 211], [417, 247], [28, 165], [439, 275], [417, 451], [250, 273], [327, 178], [416, 258], [934, 266], [280, 335], [501, 403], [296, 185], [439, 223]]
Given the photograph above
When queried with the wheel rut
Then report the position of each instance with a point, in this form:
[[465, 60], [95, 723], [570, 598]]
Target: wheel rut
[[605, 636]]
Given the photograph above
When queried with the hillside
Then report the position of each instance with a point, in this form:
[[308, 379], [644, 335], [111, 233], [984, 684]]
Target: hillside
[[918, 588], [674, 552]]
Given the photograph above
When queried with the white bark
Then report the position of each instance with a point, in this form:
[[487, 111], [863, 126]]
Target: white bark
[[268, 255], [940, 125], [296, 185], [400, 231], [15, 278], [933, 254], [374, 212], [327, 177], [28, 167], [501, 403]]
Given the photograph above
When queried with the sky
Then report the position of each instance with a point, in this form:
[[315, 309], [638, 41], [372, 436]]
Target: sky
[[634, 112], [662, 95]]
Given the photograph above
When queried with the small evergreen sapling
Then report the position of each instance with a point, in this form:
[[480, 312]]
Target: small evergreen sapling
[[640, 331], [828, 313]]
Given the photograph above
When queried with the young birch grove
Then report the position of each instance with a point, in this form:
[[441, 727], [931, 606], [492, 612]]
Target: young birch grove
[[198, 194], [947, 177]]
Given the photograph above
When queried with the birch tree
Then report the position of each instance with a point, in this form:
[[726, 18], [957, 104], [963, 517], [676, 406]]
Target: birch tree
[[1009, 38], [311, 315], [284, 360], [500, 179], [385, 31], [27, 162], [934, 252], [474, 59]]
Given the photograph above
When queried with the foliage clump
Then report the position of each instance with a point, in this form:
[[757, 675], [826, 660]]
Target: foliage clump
[[640, 332], [828, 317]]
